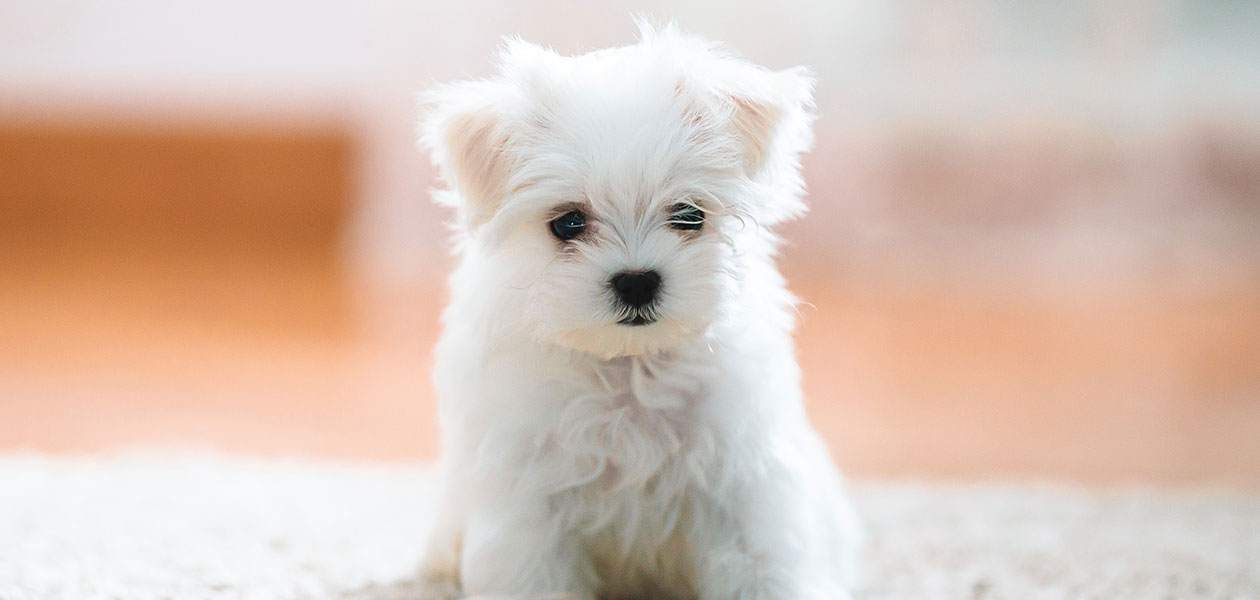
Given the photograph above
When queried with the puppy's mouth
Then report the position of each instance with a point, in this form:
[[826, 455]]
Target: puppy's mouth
[[637, 320]]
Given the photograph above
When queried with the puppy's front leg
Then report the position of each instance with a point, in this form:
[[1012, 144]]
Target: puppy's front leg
[[520, 551], [759, 548]]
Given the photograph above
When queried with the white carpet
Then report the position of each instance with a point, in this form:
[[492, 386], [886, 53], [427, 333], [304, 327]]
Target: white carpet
[[140, 527]]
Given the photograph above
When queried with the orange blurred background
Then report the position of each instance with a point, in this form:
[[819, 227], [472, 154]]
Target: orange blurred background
[[1034, 249]]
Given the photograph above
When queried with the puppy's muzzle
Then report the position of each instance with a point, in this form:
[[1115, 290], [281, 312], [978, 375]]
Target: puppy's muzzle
[[637, 290]]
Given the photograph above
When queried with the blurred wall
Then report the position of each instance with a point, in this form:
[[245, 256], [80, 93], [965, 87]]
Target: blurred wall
[[1062, 133]]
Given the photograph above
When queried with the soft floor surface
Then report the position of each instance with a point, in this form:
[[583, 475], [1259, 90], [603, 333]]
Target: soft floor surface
[[141, 527]]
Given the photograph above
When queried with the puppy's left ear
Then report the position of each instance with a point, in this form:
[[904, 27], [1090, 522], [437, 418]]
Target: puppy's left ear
[[770, 117], [465, 130], [773, 119]]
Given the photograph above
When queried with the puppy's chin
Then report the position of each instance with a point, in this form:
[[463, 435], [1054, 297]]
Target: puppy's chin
[[614, 340]]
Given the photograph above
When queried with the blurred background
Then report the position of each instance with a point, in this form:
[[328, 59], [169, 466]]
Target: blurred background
[[1034, 249]]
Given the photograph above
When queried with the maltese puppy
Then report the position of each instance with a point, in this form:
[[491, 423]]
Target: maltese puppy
[[621, 403]]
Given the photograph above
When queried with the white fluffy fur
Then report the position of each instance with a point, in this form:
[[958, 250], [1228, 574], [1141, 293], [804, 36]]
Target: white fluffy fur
[[586, 459]]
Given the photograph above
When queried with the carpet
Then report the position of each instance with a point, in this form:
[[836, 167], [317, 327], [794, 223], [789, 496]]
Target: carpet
[[143, 525]]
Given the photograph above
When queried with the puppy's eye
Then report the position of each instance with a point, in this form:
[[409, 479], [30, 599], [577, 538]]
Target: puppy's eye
[[686, 217], [569, 225]]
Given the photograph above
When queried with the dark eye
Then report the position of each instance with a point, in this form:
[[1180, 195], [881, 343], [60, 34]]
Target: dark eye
[[569, 225], [687, 217]]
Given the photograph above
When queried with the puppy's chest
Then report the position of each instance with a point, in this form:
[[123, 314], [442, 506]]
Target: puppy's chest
[[629, 426]]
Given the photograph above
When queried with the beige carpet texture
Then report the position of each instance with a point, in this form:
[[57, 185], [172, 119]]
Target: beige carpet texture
[[146, 525]]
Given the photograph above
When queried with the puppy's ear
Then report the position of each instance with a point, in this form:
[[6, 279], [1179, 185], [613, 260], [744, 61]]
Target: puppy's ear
[[466, 130], [769, 115], [772, 117]]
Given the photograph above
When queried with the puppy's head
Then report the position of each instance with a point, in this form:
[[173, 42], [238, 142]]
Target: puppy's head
[[613, 201]]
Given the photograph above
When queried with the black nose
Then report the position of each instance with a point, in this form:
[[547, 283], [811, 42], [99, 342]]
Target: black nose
[[636, 288]]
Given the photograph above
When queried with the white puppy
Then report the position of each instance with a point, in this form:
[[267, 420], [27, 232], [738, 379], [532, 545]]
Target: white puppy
[[621, 403]]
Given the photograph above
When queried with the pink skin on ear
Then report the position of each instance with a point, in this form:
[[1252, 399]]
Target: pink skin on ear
[[478, 163], [755, 123]]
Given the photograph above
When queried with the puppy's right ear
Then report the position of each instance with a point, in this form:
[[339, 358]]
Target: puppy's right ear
[[465, 129]]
